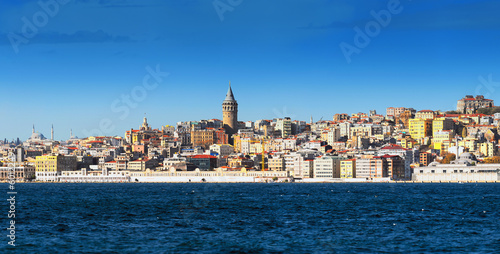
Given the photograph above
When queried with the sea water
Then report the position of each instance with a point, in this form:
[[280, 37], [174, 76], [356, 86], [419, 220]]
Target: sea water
[[254, 218]]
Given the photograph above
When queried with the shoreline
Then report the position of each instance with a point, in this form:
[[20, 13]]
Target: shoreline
[[294, 182]]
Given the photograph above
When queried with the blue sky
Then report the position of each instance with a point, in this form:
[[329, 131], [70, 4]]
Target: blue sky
[[283, 59]]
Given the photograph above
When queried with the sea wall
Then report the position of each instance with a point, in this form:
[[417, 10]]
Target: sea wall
[[186, 179], [456, 177]]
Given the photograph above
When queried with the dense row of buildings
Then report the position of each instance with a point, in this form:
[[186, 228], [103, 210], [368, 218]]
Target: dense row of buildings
[[405, 144]]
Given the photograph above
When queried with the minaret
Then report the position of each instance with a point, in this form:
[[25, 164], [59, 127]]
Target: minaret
[[52, 132], [311, 119], [33, 132], [230, 114], [70, 133]]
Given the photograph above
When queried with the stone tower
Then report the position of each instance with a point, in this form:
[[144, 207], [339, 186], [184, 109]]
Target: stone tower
[[230, 113]]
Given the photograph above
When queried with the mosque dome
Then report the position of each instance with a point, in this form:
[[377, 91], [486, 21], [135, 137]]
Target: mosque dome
[[37, 136], [467, 156]]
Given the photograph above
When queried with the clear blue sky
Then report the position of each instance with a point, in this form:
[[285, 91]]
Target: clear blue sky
[[283, 59]]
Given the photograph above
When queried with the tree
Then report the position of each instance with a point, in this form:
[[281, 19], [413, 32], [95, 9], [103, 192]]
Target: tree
[[491, 160], [488, 111], [464, 132], [449, 157]]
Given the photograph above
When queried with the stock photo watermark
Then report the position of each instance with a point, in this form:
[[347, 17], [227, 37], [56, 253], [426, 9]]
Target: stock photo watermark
[[12, 203], [487, 84], [31, 26], [284, 113], [372, 29], [131, 100], [223, 6]]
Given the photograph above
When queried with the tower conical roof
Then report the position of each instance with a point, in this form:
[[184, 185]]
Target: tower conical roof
[[229, 95]]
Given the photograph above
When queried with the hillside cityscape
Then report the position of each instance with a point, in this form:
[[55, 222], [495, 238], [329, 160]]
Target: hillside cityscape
[[402, 145]]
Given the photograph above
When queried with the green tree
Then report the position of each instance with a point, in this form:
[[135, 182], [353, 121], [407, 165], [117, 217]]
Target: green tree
[[448, 158], [488, 111]]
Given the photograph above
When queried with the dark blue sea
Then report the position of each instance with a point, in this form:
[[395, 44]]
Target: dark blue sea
[[254, 218]]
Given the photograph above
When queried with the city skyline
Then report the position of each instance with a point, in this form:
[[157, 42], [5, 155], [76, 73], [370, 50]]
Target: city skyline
[[231, 97], [282, 60]]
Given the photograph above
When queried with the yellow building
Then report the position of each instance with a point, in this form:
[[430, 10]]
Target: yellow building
[[420, 128], [441, 136], [276, 164], [204, 138], [256, 147], [363, 131], [324, 135], [442, 139], [407, 142], [468, 143], [348, 168], [487, 149], [441, 124], [425, 114], [49, 167], [444, 146]]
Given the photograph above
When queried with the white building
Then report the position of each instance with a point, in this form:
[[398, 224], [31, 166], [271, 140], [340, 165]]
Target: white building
[[284, 125], [327, 167], [371, 168], [245, 145], [249, 125], [465, 169], [293, 162], [222, 149], [345, 129], [313, 144], [333, 136], [307, 170], [94, 176], [290, 144]]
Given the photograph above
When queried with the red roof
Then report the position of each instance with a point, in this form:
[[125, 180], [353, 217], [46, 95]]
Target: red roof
[[389, 156], [393, 147], [204, 156], [480, 125]]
